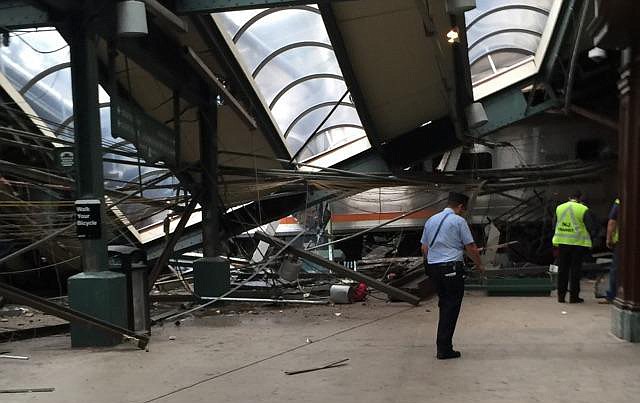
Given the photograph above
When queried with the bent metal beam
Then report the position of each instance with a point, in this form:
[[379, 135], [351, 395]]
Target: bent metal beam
[[336, 268]]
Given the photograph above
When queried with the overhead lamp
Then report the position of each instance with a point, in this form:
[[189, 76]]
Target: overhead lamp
[[476, 115], [597, 54], [132, 18], [453, 36]]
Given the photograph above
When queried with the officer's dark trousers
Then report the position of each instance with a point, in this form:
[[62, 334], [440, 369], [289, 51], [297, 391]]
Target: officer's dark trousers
[[569, 270], [449, 282]]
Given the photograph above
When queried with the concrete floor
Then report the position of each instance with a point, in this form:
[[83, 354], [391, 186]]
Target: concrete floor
[[514, 350]]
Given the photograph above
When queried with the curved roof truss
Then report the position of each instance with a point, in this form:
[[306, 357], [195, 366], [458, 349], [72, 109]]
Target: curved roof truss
[[315, 108], [266, 13], [487, 13], [286, 48], [302, 80], [504, 31], [42, 75]]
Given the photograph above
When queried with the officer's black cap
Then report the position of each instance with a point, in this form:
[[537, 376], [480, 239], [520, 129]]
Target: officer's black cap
[[458, 198]]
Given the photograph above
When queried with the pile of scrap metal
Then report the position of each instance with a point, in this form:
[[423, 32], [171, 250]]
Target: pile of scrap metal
[[407, 273], [279, 279]]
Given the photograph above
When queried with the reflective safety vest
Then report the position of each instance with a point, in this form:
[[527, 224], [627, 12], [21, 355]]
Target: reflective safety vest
[[570, 228], [615, 237]]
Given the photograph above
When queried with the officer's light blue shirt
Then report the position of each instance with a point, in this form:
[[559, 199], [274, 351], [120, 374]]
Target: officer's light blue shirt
[[452, 238]]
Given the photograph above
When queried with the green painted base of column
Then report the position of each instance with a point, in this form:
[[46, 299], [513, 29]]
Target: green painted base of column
[[625, 324], [102, 295], [211, 277]]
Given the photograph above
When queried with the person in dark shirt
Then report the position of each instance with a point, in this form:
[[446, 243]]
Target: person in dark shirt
[[445, 239]]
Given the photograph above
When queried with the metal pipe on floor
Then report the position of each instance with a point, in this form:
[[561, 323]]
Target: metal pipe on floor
[[340, 270], [71, 315], [285, 301]]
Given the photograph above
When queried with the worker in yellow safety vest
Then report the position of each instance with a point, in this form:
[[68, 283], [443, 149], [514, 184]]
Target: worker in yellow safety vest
[[613, 237], [574, 225]]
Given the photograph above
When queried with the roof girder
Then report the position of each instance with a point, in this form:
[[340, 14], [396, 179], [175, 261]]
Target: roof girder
[[216, 6]]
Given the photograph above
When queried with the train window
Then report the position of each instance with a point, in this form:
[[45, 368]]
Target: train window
[[475, 161]]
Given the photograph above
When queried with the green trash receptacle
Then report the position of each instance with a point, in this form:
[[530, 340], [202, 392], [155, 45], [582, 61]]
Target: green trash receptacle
[[211, 277]]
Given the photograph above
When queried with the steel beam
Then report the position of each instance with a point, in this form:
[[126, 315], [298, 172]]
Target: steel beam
[[207, 75], [72, 315], [341, 270], [163, 58], [216, 6], [560, 32], [209, 161], [350, 78], [16, 14], [58, 5], [421, 143], [243, 219], [157, 9], [508, 107], [215, 41], [171, 242], [88, 140]]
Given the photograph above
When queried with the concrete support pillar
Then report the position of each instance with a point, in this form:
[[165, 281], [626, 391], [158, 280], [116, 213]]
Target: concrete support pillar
[[97, 291], [626, 309]]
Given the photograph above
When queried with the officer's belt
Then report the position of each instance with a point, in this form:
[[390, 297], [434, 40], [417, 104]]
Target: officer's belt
[[457, 263]]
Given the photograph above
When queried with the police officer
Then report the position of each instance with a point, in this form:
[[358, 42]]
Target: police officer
[[573, 226], [445, 237]]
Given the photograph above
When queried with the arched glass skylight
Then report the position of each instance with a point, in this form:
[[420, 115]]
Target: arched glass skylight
[[288, 53], [36, 64], [502, 34]]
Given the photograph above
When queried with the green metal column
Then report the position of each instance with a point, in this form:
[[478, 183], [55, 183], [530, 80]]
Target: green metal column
[[96, 291], [209, 162], [211, 273], [88, 142]]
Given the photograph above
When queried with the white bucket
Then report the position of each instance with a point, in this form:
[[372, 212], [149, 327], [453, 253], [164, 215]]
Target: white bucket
[[341, 294]]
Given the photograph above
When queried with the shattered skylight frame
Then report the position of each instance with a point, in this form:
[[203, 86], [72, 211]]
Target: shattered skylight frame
[[36, 64], [507, 41], [288, 57]]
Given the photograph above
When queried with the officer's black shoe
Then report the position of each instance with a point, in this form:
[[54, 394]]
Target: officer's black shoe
[[576, 300], [449, 355], [561, 298]]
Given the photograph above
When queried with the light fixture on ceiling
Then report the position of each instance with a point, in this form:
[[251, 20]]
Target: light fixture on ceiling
[[132, 18], [597, 54], [453, 36]]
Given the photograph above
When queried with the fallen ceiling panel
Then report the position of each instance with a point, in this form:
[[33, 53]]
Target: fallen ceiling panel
[[400, 60]]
